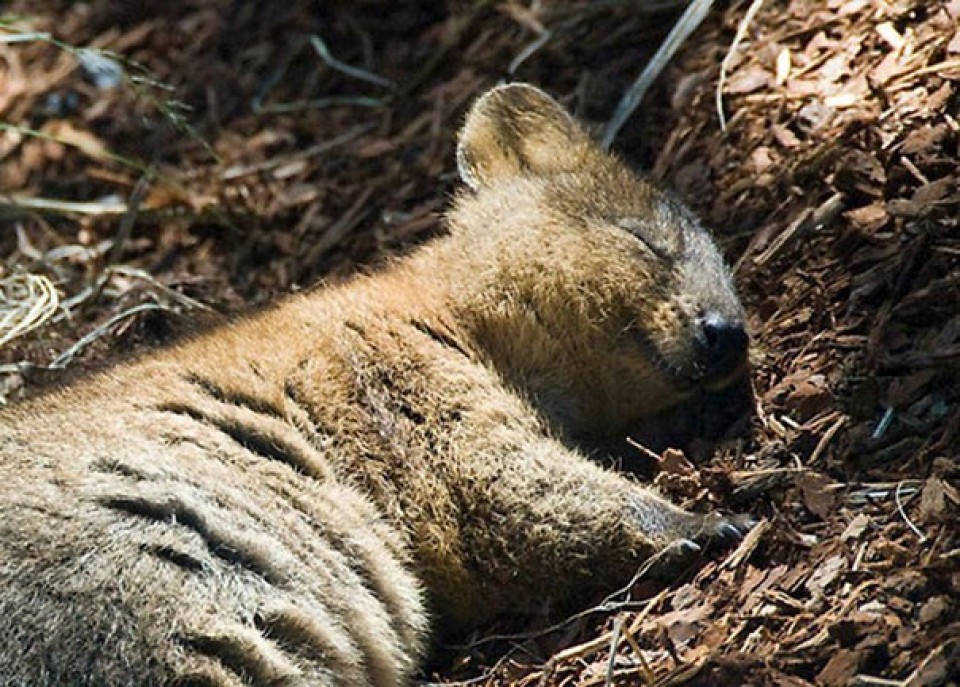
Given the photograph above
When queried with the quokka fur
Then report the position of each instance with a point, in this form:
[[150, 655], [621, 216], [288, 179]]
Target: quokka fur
[[303, 497]]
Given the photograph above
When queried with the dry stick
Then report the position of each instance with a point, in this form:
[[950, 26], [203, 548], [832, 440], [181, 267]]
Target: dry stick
[[825, 439], [651, 455], [816, 219], [747, 546], [871, 681], [728, 58], [692, 17], [896, 497], [528, 51], [323, 103], [876, 491], [580, 650], [930, 69], [68, 355], [614, 641], [339, 229], [577, 16], [323, 52], [172, 294], [591, 646], [487, 675], [484, 677], [129, 218], [944, 652], [283, 64], [597, 643], [648, 677], [438, 57], [18, 204]]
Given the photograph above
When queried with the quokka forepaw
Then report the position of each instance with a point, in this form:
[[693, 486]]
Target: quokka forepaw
[[717, 527]]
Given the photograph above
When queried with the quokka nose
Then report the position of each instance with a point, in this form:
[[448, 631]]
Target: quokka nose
[[726, 344]]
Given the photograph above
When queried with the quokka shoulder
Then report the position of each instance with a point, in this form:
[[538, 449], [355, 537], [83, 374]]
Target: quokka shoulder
[[309, 495]]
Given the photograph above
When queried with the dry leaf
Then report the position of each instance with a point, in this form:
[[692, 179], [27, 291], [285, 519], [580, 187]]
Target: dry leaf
[[816, 497], [675, 462], [856, 528]]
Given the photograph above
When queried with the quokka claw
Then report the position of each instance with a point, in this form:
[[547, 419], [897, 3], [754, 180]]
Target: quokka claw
[[674, 558], [685, 546], [727, 526], [730, 530]]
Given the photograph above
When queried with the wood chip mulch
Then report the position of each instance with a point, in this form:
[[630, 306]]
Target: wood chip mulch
[[221, 153]]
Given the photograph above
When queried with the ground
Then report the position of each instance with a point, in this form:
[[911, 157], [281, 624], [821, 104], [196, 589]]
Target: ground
[[226, 156]]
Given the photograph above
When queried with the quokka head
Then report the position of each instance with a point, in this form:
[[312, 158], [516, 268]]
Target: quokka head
[[606, 301]]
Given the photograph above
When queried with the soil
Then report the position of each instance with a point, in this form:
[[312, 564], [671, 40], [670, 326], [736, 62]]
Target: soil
[[163, 165]]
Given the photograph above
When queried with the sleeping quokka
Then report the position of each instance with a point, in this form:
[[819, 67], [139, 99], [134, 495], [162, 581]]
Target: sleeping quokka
[[304, 496]]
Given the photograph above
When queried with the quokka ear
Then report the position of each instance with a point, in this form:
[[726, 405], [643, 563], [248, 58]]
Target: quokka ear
[[517, 129]]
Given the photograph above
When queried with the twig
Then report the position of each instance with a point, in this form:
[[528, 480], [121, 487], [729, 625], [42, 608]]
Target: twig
[[876, 491], [355, 72], [930, 69], [916, 530], [692, 17], [15, 206], [749, 544], [129, 218], [871, 681], [591, 646], [650, 455], [62, 206], [323, 103], [811, 220], [283, 64], [484, 677], [648, 676], [343, 226], [614, 641], [172, 294], [65, 358], [825, 439], [529, 50], [883, 425], [581, 650], [946, 653], [728, 58]]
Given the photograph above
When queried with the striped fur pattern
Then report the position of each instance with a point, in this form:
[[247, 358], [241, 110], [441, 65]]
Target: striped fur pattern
[[306, 496]]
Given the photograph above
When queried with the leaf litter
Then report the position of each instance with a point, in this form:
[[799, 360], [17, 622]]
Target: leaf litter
[[165, 166]]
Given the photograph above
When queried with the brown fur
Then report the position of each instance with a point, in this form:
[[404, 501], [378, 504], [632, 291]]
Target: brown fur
[[291, 499]]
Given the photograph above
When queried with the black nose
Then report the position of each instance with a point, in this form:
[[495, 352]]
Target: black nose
[[725, 349]]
